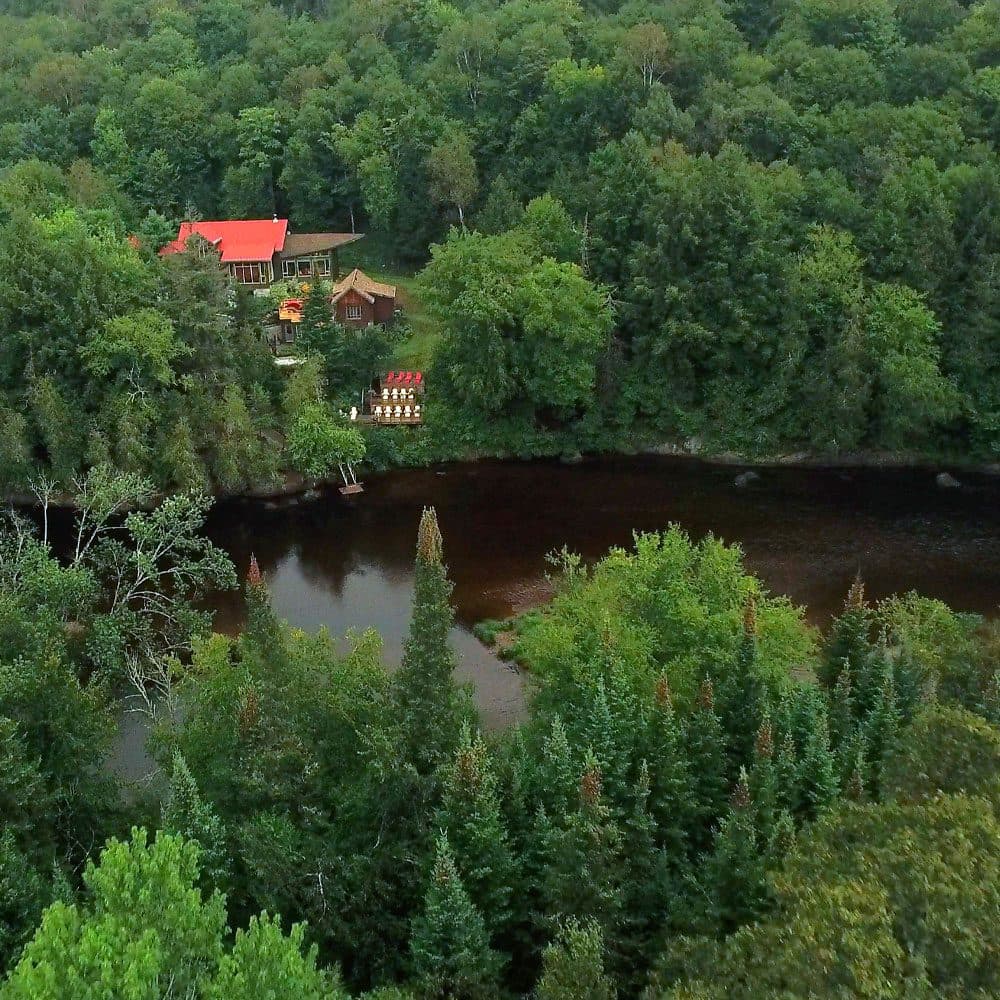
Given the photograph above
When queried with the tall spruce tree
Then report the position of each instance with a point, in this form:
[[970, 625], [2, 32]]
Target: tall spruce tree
[[582, 859], [573, 965], [606, 726], [263, 636], [648, 880], [742, 694], [764, 790], [878, 672], [842, 720], [449, 947], [470, 815], [786, 769], [186, 813], [670, 780], [557, 771], [706, 746], [849, 643], [881, 729], [818, 778], [781, 840], [431, 706], [735, 872], [316, 331]]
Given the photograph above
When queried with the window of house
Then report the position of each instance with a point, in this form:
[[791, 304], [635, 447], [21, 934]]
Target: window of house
[[354, 312], [248, 273], [305, 267]]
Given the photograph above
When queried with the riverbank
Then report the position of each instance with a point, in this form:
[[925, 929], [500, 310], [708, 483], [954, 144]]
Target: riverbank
[[806, 532], [295, 487]]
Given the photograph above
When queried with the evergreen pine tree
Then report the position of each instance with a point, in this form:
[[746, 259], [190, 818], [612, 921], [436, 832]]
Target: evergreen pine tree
[[849, 642], [449, 947], [573, 965], [670, 781], [735, 873], [764, 780], [880, 731], [607, 727], [856, 783], [316, 330], [851, 759], [818, 779], [431, 707], [558, 772], [876, 673], [742, 700], [647, 881], [781, 839], [706, 755], [186, 813], [582, 852], [911, 685], [263, 637], [786, 769], [842, 721], [470, 815]]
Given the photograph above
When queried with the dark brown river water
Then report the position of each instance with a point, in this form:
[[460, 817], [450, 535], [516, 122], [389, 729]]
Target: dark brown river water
[[805, 532]]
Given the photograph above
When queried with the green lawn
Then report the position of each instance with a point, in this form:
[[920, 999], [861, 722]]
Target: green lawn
[[417, 349], [374, 256]]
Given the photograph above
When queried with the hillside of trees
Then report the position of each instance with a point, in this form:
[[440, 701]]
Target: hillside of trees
[[741, 225], [708, 797]]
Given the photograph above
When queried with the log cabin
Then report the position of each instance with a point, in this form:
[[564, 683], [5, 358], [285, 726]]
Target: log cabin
[[358, 301]]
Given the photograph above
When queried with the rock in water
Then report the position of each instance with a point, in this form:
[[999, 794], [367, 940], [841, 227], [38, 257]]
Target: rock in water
[[746, 478], [946, 481]]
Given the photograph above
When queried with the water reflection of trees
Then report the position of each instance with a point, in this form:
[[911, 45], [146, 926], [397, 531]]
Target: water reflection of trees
[[805, 531]]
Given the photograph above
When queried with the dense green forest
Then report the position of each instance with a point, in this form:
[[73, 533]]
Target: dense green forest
[[708, 798], [757, 226]]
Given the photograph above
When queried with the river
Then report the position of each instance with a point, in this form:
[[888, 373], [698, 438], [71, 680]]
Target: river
[[805, 532]]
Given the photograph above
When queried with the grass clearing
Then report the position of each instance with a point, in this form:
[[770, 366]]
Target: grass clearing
[[374, 255]]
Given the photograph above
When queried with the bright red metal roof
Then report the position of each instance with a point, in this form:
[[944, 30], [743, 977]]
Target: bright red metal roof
[[252, 239]]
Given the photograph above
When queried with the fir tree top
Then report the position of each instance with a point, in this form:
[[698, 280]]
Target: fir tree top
[[764, 744], [741, 792], [591, 783], [429, 545], [706, 695], [856, 595], [664, 699], [254, 576], [750, 615], [469, 760]]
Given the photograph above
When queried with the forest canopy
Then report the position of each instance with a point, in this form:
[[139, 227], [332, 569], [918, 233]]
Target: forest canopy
[[707, 797], [738, 225]]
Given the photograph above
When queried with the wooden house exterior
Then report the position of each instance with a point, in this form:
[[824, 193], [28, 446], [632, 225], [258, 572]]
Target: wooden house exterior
[[258, 252], [358, 301]]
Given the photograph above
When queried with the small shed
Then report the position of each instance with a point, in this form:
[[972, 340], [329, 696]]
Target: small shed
[[359, 301]]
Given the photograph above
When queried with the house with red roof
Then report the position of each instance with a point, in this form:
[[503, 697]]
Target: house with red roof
[[258, 252]]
